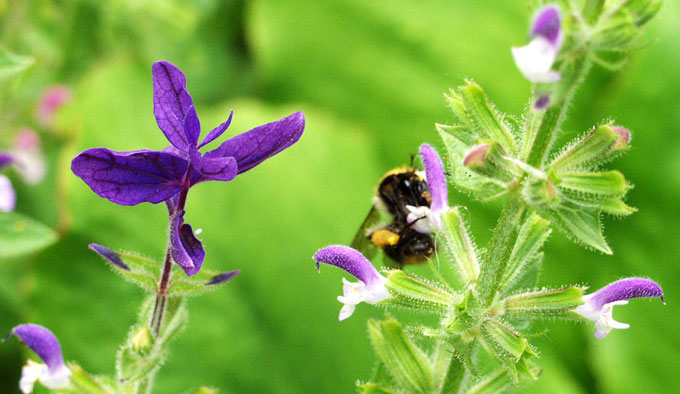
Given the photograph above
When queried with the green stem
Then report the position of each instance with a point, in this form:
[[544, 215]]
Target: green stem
[[500, 246]]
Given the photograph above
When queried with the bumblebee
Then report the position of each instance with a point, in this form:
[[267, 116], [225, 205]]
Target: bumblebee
[[398, 239]]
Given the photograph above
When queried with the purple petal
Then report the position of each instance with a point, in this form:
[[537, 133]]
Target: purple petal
[[436, 178], [216, 132], [192, 127], [547, 24], [349, 260], [216, 169], [129, 178], [253, 147], [221, 278], [171, 104], [5, 160], [43, 343], [625, 289], [186, 250], [109, 255]]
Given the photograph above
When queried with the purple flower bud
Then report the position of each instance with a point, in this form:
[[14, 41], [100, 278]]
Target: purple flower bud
[[624, 137], [52, 99], [476, 157], [428, 218], [542, 102], [599, 305], [371, 286], [53, 374], [535, 60]]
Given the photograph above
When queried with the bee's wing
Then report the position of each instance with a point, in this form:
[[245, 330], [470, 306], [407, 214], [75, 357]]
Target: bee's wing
[[361, 242]]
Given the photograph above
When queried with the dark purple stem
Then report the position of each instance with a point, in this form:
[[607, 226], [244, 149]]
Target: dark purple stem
[[162, 293]]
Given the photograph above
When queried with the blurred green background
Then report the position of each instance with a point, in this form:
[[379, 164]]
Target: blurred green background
[[369, 77]]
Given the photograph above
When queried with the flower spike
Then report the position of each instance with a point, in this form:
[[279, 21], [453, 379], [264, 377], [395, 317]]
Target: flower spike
[[54, 374], [371, 285], [427, 219], [535, 60], [599, 305]]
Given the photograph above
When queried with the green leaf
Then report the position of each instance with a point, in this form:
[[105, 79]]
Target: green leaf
[[408, 365], [11, 63], [416, 294], [580, 224], [533, 233], [21, 235], [546, 303], [460, 245], [139, 270], [200, 283], [471, 106]]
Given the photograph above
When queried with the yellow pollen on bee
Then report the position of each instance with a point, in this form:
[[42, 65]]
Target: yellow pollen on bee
[[384, 238]]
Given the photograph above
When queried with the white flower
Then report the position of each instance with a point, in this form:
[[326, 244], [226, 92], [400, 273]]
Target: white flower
[[33, 372], [535, 60], [356, 292], [604, 321]]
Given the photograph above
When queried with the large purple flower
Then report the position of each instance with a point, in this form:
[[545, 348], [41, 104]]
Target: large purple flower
[[54, 374], [130, 178], [599, 305]]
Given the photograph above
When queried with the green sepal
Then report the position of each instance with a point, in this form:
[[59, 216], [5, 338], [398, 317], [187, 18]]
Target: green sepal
[[139, 270], [412, 293], [616, 207], [540, 192], [471, 105], [509, 347], [174, 318], [458, 141], [581, 224], [408, 365], [11, 63], [592, 187], [533, 233], [199, 283], [374, 388], [544, 303], [205, 390], [448, 369], [82, 382], [590, 151], [490, 160], [20, 235], [458, 243], [133, 365], [616, 33]]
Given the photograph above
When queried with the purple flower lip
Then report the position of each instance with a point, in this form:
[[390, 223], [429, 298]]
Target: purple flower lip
[[111, 256], [349, 260], [599, 306], [548, 24]]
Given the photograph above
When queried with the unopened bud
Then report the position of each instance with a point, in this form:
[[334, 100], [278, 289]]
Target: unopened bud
[[596, 148], [476, 156], [491, 161], [142, 339], [623, 137]]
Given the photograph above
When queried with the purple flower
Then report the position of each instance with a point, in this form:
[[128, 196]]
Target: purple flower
[[428, 218], [599, 305], [371, 285], [535, 60], [8, 197], [130, 178], [53, 374]]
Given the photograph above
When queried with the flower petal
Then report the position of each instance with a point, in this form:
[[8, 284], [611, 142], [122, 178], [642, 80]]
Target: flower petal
[[110, 256], [253, 147], [351, 261], [216, 132], [548, 24], [186, 250], [5, 160], [8, 197], [535, 61], [43, 343], [171, 104], [216, 169], [192, 127], [625, 289], [436, 178], [129, 178], [223, 277]]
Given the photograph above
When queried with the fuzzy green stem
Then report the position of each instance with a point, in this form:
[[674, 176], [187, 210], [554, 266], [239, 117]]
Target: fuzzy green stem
[[500, 246]]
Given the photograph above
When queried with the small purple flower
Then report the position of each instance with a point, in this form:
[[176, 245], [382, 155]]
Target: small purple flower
[[8, 197], [535, 60], [371, 285], [54, 374], [130, 178], [428, 218], [599, 305]]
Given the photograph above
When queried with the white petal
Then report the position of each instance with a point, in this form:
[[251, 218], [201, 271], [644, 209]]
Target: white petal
[[346, 311], [30, 373], [536, 59], [57, 380], [421, 217], [7, 196]]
